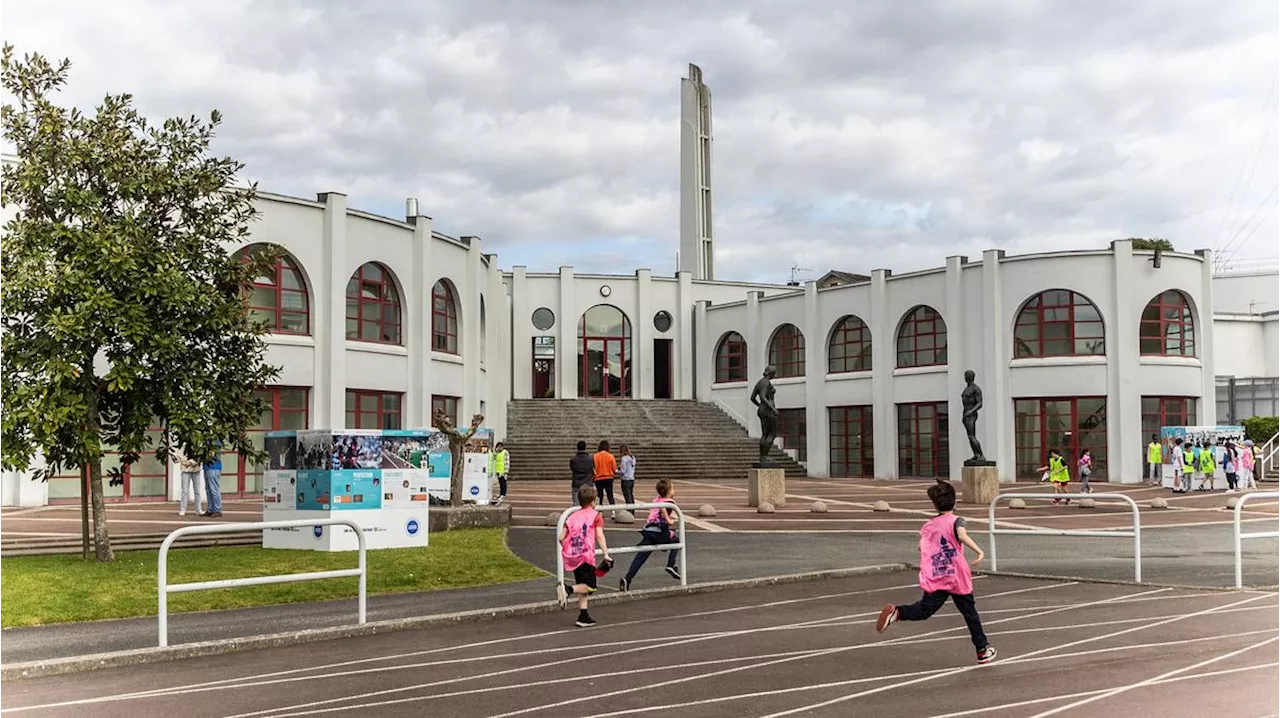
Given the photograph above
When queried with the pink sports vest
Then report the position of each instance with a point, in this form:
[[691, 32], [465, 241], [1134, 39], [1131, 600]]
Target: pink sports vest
[[579, 546], [655, 515], [942, 564]]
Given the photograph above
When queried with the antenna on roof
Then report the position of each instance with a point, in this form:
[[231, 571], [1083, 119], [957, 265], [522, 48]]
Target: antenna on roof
[[796, 270]]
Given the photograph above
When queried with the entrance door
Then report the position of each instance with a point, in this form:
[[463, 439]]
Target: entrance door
[[662, 368], [604, 353], [544, 367]]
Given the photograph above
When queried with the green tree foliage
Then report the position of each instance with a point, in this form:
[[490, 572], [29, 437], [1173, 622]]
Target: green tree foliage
[[1152, 244], [122, 306], [1260, 428]]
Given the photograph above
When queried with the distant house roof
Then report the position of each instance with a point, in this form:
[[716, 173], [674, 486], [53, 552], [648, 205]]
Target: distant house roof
[[835, 278]]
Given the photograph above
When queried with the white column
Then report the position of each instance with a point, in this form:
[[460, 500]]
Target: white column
[[331, 323], [521, 369], [1124, 403], [703, 350], [472, 284], [1208, 408], [995, 422], [957, 356], [818, 463], [642, 339], [417, 331], [495, 386], [884, 421], [567, 359], [757, 356], [682, 371]]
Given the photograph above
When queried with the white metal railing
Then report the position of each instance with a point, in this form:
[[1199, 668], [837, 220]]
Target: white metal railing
[[1136, 532], [680, 544], [1235, 529], [163, 588], [1270, 452]]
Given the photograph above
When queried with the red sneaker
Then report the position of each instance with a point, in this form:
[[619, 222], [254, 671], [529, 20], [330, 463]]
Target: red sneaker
[[888, 615]]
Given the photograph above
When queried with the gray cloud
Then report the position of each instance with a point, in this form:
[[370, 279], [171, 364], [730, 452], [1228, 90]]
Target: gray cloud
[[878, 135]]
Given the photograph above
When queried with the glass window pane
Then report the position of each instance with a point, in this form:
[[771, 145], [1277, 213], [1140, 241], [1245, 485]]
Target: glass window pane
[[295, 323], [369, 331], [293, 300], [291, 278], [262, 297]]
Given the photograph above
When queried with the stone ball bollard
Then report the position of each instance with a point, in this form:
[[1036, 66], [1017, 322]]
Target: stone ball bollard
[[880, 505], [818, 507], [1017, 504], [624, 517], [1159, 503], [706, 510], [765, 508], [553, 518], [1232, 501], [1087, 503]]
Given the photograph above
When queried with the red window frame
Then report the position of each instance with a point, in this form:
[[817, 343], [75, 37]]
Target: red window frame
[[852, 444], [444, 319], [373, 311], [356, 412], [1158, 411], [448, 403], [849, 348], [731, 358], [786, 351], [236, 476], [1058, 322], [284, 267], [920, 323], [793, 427], [1046, 419], [915, 459], [1167, 327]]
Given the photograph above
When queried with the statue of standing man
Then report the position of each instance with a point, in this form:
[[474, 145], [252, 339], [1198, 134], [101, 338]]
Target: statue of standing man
[[971, 399], [762, 397]]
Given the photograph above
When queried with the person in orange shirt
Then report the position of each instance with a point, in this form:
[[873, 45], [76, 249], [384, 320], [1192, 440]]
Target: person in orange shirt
[[606, 470]]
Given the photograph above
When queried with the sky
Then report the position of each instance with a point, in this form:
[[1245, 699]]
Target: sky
[[852, 136]]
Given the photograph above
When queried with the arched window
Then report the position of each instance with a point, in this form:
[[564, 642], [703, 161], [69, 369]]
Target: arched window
[[922, 338], [604, 352], [444, 318], [1168, 328], [279, 297], [1058, 323], [373, 306], [786, 351], [731, 358], [849, 348]]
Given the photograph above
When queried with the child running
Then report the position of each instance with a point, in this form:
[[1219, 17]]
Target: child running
[[582, 532], [1059, 477], [943, 572], [658, 529], [1085, 469]]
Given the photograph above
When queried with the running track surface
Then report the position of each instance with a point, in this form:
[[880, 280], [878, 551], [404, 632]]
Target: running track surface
[[1070, 649]]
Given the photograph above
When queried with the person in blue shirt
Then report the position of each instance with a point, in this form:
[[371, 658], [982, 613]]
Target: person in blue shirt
[[213, 483]]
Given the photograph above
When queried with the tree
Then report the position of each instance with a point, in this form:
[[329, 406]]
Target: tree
[[1260, 428], [1152, 244], [457, 441], [121, 303]]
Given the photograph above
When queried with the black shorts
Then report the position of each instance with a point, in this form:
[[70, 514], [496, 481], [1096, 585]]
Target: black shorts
[[585, 574]]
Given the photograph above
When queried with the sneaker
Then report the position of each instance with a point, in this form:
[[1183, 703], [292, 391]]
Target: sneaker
[[585, 620], [1057, 501], [562, 596], [987, 655], [673, 572], [182, 513], [888, 615], [624, 585], [215, 515]]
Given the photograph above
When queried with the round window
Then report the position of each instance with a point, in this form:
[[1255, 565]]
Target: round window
[[543, 318], [662, 321]]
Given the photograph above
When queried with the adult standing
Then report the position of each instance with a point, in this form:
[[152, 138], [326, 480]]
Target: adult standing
[[583, 470], [499, 464], [1155, 461], [606, 468], [213, 483], [627, 473], [189, 481], [1247, 465]]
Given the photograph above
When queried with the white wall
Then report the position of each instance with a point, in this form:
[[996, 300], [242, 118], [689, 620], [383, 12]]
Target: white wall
[[1246, 292]]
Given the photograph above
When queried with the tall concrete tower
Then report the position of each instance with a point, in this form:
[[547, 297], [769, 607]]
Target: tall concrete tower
[[697, 249]]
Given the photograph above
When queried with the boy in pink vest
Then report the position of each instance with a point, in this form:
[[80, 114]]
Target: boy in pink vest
[[582, 532], [943, 572]]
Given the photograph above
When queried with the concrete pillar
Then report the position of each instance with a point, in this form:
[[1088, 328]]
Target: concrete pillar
[[818, 436], [522, 332], [884, 420], [995, 422], [330, 394], [703, 350], [495, 386], [642, 338], [471, 286], [1124, 418], [417, 330], [956, 318], [567, 316], [1208, 408], [757, 356], [684, 347]]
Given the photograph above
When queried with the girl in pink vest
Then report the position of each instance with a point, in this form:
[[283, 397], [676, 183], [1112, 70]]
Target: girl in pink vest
[[582, 532], [659, 528], [943, 572]]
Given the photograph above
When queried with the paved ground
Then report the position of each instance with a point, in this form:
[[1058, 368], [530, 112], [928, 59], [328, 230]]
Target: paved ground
[[1066, 648], [63, 521]]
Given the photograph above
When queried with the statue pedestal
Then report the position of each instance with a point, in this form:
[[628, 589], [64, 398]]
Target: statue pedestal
[[979, 483], [766, 484]]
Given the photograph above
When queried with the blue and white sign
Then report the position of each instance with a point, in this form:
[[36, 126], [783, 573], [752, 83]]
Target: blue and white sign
[[318, 531], [412, 527]]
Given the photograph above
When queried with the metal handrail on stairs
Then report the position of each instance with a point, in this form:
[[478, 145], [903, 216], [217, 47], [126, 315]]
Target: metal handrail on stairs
[[1270, 457]]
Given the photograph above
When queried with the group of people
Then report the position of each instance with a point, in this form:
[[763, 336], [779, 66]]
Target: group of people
[[1201, 460], [601, 470], [195, 473]]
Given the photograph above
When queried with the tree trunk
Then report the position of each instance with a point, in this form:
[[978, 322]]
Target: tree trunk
[[101, 540], [455, 475], [84, 511]]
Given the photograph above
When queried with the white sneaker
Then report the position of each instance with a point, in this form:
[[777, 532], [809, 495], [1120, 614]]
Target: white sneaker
[[182, 513]]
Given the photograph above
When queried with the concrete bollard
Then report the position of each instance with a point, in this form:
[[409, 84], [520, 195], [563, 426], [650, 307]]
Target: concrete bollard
[[706, 511], [1087, 503], [1232, 501], [1159, 503], [880, 505], [818, 507], [1017, 504], [553, 518], [765, 508], [624, 517]]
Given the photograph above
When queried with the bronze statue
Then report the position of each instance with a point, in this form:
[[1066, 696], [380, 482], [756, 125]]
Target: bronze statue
[[762, 397], [971, 399]]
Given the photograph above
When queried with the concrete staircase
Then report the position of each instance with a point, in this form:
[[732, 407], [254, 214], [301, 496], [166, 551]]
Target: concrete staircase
[[671, 439]]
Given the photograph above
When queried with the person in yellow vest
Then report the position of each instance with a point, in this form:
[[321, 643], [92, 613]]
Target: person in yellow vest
[[1059, 475], [499, 463], [1207, 467], [1154, 462], [1187, 464]]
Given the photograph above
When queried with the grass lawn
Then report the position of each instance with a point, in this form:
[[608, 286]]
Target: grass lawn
[[38, 590]]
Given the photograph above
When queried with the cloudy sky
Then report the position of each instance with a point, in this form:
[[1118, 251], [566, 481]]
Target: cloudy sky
[[850, 135]]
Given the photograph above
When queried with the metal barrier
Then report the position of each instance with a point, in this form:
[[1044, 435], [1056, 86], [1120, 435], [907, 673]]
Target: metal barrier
[[1235, 529], [1136, 533], [680, 544], [162, 574]]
